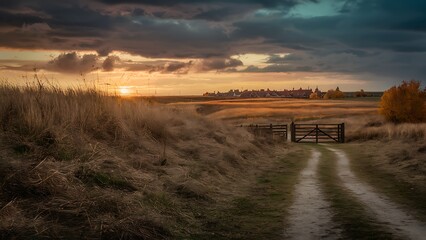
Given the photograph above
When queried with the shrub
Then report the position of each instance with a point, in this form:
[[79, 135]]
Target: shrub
[[314, 95], [404, 103], [361, 93], [333, 94]]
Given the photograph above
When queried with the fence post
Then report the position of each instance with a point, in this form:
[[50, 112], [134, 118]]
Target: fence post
[[316, 133], [292, 136], [286, 133], [342, 133]]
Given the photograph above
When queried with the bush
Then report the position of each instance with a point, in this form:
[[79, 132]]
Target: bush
[[361, 93], [333, 94], [314, 95], [404, 103]]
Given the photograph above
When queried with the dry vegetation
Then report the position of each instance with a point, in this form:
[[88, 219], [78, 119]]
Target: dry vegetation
[[77, 163], [282, 110]]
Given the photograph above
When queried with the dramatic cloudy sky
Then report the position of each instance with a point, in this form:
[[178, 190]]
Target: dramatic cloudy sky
[[192, 46]]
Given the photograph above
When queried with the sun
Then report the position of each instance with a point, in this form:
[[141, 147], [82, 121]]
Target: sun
[[124, 91]]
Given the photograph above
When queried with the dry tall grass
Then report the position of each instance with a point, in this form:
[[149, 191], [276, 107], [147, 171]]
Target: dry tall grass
[[78, 163], [388, 132]]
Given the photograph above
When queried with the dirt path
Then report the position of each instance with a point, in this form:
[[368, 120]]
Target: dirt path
[[310, 216], [384, 209]]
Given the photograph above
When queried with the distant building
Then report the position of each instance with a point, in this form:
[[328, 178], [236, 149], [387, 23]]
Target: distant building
[[301, 93]]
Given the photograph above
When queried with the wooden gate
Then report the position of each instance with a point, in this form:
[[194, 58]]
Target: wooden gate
[[316, 133], [268, 130]]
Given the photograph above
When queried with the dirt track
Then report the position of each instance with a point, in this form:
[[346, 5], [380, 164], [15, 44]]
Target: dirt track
[[386, 211], [310, 208], [310, 214]]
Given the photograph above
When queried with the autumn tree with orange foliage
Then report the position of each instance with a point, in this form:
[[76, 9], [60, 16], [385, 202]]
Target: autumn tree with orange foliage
[[404, 103], [334, 94], [314, 95]]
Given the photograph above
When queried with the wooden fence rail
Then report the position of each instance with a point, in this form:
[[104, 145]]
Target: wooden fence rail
[[268, 130]]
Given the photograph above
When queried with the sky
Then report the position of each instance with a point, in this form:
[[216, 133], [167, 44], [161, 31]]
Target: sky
[[186, 47]]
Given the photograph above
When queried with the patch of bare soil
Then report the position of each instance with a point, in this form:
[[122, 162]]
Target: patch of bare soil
[[310, 215], [385, 210]]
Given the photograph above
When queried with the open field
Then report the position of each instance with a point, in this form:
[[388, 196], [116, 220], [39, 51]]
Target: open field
[[281, 109], [360, 115]]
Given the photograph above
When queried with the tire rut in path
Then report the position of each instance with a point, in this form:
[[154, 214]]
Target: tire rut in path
[[310, 216], [384, 209]]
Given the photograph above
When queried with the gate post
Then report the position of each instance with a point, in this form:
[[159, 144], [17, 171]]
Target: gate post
[[342, 133], [316, 133], [292, 132]]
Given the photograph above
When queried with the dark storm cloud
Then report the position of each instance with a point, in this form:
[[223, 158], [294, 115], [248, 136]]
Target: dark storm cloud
[[94, 25], [361, 39], [277, 59], [217, 14], [73, 63], [279, 68], [109, 63], [265, 3], [161, 66], [17, 19], [219, 64], [215, 64], [363, 36]]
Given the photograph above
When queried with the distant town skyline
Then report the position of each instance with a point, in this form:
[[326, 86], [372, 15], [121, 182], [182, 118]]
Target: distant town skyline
[[290, 93], [188, 47]]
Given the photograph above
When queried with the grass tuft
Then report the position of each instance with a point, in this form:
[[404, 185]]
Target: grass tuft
[[101, 179]]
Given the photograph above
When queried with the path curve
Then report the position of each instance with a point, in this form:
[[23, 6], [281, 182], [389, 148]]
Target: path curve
[[384, 209], [310, 216]]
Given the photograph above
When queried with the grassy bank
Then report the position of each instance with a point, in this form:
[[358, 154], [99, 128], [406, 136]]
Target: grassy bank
[[78, 163], [355, 221]]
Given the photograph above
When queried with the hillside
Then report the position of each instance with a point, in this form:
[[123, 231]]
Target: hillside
[[77, 163]]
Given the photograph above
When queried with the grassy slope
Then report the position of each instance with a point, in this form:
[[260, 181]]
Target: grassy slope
[[76, 163], [355, 220]]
